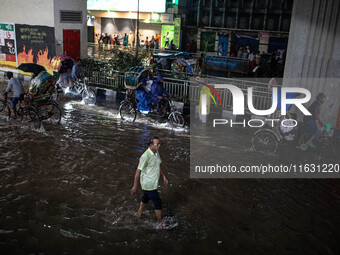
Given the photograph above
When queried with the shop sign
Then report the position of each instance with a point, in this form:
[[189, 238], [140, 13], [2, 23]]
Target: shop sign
[[8, 51], [155, 18], [167, 18], [263, 35]]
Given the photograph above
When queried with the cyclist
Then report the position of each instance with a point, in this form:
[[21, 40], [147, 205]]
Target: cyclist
[[77, 70], [65, 79], [158, 93], [143, 94], [16, 86]]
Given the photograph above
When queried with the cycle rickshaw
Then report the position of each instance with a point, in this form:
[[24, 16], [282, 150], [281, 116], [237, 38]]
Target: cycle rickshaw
[[61, 66], [128, 107], [268, 139], [33, 111]]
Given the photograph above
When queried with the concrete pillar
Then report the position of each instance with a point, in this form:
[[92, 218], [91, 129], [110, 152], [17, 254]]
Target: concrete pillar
[[313, 54]]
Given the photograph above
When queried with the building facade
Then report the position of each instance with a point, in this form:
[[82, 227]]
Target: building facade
[[156, 17], [41, 29], [261, 24]]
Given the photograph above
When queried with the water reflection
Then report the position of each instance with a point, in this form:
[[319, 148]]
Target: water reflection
[[66, 190]]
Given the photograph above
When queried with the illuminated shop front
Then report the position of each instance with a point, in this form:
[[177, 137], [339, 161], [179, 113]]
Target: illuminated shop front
[[115, 17]]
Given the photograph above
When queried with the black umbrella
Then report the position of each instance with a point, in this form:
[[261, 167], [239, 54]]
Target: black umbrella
[[31, 68]]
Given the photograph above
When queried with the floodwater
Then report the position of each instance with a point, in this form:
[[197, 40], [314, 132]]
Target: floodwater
[[65, 189]]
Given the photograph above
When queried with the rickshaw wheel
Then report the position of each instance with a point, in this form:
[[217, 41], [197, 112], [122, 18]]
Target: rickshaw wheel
[[127, 111], [54, 113], [30, 118], [5, 110], [265, 142], [176, 120]]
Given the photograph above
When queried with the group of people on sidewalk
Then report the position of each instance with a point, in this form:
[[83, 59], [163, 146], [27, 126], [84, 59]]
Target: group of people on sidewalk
[[115, 39], [129, 40]]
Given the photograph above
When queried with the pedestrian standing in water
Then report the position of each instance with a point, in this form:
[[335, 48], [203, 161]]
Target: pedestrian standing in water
[[148, 173]]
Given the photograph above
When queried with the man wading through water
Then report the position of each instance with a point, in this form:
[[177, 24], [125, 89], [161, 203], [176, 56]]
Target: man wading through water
[[148, 172]]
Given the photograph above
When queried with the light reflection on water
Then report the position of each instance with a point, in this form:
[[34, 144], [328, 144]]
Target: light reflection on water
[[66, 189]]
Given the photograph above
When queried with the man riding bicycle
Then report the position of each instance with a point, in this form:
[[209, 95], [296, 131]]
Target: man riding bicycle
[[77, 70], [158, 93], [16, 86]]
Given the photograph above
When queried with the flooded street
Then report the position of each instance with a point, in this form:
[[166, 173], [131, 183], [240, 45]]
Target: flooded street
[[65, 189]]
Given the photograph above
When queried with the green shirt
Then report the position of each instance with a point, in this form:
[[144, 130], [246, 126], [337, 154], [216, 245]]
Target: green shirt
[[149, 164]]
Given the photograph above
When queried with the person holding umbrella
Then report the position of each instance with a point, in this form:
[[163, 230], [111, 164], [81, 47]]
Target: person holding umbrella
[[42, 83]]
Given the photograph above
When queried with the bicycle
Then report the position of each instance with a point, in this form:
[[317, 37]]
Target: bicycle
[[128, 111], [267, 140], [81, 88], [29, 117], [6, 106], [128, 108], [37, 110], [27, 114], [47, 108]]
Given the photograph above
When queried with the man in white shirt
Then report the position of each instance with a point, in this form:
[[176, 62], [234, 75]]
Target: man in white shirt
[[148, 173], [14, 85], [167, 39]]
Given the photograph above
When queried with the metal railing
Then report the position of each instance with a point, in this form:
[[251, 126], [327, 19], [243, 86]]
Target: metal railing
[[191, 89], [100, 49], [111, 80]]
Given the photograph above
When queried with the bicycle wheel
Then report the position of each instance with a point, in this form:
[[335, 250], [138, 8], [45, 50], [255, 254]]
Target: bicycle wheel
[[5, 110], [127, 111], [89, 96], [54, 113], [265, 142], [30, 118], [176, 119]]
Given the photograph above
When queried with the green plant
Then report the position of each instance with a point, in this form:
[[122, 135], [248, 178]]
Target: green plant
[[123, 60]]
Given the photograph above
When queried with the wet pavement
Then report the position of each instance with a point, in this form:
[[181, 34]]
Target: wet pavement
[[65, 189]]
